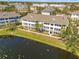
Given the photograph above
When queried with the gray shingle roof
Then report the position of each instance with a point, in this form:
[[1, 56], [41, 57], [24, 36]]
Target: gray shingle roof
[[8, 14], [48, 9], [62, 20], [75, 12]]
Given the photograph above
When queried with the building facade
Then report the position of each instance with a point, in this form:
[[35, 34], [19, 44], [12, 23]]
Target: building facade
[[75, 15], [40, 5], [48, 11], [8, 17], [59, 6], [51, 24], [21, 7]]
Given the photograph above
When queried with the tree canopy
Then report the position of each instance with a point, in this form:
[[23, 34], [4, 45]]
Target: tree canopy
[[71, 36]]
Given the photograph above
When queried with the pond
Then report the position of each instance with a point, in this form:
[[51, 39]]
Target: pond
[[13, 47]]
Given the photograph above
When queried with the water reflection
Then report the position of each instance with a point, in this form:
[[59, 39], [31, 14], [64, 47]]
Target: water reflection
[[12, 47]]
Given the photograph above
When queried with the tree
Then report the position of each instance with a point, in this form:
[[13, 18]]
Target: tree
[[66, 10], [4, 3], [23, 14], [70, 34], [8, 9], [29, 4], [11, 27], [56, 11], [39, 27], [73, 7]]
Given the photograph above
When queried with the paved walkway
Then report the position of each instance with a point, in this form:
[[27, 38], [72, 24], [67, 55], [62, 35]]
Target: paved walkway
[[41, 34]]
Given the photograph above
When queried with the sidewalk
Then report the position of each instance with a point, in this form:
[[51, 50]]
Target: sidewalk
[[40, 34]]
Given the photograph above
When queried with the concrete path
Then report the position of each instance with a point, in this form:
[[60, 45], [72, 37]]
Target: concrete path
[[40, 33]]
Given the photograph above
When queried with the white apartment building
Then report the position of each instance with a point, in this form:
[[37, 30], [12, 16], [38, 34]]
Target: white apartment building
[[48, 11], [3, 6], [75, 15], [51, 24], [60, 6], [21, 7], [8, 17], [40, 5]]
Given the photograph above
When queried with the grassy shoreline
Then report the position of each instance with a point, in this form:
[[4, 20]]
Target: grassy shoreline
[[35, 37], [40, 38]]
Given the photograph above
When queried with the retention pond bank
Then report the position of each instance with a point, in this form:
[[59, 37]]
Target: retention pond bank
[[14, 47]]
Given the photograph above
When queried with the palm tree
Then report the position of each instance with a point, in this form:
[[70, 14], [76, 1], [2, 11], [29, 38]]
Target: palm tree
[[38, 26], [56, 11], [70, 34]]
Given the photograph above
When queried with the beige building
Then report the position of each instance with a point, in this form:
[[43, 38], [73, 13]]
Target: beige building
[[75, 15], [51, 24], [21, 7], [48, 11]]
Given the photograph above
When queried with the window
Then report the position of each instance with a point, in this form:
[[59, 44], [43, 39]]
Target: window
[[64, 25], [7, 21], [56, 33], [52, 24], [51, 28], [6, 18], [57, 25], [12, 21], [77, 14], [10, 18], [46, 27], [46, 23], [32, 25], [50, 32], [57, 29], [24, 20], [1, 18], [25, 23], [2, 22]]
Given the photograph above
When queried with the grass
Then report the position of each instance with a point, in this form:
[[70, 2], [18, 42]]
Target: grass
[[40, 38], [4, 32], [36, 37]]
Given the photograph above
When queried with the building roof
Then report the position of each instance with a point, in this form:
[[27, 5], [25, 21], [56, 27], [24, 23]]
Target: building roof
[[58, 5], [48, 9], [8, 14], [75, 12], [21, 6], [62, 20], [3, 6], [40, 5]]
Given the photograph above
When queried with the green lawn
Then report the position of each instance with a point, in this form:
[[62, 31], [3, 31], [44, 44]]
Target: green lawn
[[4, 32], [35, 37], [32, 36], [40, 38]]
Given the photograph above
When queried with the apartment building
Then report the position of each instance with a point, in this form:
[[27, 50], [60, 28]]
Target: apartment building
[[8, 17], [51, 24], [75, 15], [40, 4], [60, 6], [21, 7], [48, 11], [3, 6]]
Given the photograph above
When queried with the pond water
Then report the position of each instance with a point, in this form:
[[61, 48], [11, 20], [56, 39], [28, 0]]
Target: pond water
[[13, 47]]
